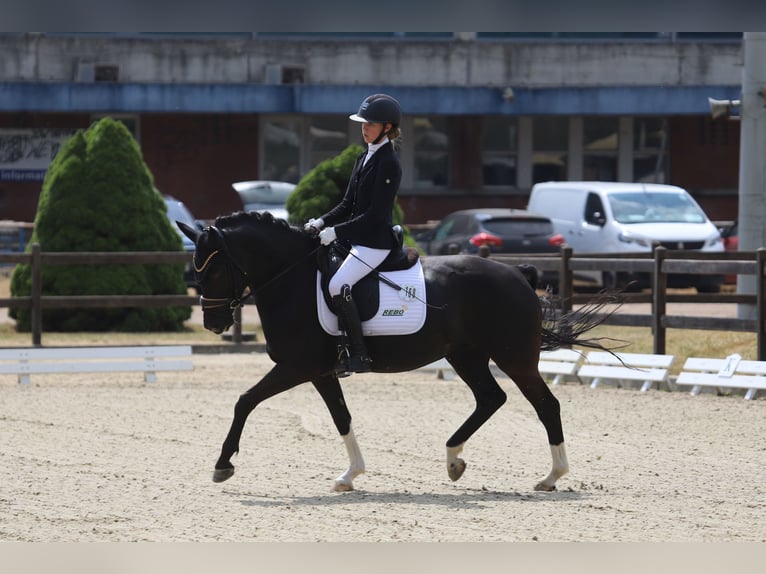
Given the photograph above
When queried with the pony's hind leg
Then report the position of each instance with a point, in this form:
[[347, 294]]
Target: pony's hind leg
[[330, 390], [537, 392], [473, 367]]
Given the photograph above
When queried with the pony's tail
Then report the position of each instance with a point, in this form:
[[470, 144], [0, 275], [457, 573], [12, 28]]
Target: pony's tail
[[566, 330]]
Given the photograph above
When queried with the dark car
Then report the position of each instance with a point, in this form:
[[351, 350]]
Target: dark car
[[177, 211], [502, 230]]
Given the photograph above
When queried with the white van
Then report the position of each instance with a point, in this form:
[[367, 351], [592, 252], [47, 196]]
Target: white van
[[612, 217]]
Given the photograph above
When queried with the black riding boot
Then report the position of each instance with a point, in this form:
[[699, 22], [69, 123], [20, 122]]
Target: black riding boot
[[352, 354]]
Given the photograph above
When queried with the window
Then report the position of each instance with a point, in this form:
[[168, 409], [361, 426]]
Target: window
[[293, 145], [431, 151], [444, 230], [550, 142], [600, 145], [328, 136], [650, 150], [281, 149], [499, 147], [594, 210]]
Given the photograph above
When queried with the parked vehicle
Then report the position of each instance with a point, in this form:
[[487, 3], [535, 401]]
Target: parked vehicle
[[264, 195], [730, 237], [177, 211], [611, 217], [501, 230]]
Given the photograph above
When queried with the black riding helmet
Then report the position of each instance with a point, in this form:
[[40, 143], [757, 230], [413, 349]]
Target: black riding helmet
[[379, 109]]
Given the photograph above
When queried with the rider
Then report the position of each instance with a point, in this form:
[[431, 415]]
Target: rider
[[363, 218]]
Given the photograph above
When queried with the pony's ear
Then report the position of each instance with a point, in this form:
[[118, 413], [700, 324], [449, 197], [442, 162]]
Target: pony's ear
[[188, 231]]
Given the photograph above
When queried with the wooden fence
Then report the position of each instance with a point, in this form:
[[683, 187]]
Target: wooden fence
[[36, 301], [658, 264]]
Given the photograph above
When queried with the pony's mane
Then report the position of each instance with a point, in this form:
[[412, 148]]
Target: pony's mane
[[252, 218]]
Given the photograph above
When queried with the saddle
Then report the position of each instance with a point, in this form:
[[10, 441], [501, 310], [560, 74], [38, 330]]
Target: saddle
[[366, 292]]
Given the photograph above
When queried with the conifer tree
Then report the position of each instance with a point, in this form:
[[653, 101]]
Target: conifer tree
[[99, 195]]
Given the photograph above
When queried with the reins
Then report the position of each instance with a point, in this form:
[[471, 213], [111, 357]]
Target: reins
[[236, 301], [286, 270]]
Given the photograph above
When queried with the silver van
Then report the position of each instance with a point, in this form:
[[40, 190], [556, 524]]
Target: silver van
[[613, 217]]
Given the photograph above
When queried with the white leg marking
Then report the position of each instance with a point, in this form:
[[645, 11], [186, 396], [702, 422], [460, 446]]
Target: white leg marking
[[559, 468], [455, 465], [345, 481]]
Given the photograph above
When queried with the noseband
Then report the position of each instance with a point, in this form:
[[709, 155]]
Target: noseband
[[208, 303]]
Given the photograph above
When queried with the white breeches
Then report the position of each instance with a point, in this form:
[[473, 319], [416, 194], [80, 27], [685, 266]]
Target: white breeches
[[352, 269]]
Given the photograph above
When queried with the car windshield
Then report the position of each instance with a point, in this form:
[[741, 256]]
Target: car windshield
[[518, 227], [648, 207]]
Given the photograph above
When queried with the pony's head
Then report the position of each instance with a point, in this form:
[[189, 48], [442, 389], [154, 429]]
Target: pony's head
[[223, 283]]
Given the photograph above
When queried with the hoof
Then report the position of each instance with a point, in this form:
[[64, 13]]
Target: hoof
[[456, 469], [221, 474], [342, 486], [542, 487]]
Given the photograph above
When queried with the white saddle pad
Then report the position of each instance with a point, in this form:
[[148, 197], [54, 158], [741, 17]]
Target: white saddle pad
[[400, 312]]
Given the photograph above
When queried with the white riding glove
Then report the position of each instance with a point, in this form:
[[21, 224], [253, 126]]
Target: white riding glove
[[327, 235], [313, 225]]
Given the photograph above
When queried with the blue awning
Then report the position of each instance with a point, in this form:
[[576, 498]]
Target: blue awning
[[318, 99]]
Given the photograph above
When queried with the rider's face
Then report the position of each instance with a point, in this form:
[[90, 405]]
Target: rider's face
[[371, 131]]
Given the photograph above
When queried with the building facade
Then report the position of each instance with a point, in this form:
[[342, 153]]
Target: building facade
[[485, 115]]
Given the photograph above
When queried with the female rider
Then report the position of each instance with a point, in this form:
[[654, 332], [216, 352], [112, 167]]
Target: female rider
[[363, 219]]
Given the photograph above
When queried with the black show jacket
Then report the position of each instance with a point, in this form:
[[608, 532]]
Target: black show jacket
[[364, 215]]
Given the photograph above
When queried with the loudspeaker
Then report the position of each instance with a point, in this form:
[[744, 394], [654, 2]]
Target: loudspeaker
[[719, 108]]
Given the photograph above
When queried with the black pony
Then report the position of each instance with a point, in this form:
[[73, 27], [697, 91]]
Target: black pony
[[478, 310]]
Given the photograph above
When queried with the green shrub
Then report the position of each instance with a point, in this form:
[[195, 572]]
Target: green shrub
[[98, 195], [323, 187]]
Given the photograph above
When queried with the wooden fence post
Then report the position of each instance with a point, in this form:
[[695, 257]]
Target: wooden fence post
[[565, 279], [760, 257], [659, 300], [37, 292], [236, 335]]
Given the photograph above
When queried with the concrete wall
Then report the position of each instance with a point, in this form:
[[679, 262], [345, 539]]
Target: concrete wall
[[40, 58]]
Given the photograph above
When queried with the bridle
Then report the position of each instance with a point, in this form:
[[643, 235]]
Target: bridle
[[235, 301]]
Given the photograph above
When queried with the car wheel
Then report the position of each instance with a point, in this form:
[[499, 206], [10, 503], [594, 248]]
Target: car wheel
[[708, 287]]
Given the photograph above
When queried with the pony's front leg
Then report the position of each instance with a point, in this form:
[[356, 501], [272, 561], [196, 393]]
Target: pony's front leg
[[455, 464], [280, 378], [332, 394]]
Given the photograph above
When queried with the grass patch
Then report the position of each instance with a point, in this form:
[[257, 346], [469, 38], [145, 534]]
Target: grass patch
[[191, 335]]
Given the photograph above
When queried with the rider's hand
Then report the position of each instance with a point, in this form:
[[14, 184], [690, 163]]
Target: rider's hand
[[327, 235], [313, 226]]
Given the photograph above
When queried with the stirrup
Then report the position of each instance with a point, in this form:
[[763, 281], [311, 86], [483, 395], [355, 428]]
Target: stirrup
[[359, 364], [341, 366]]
